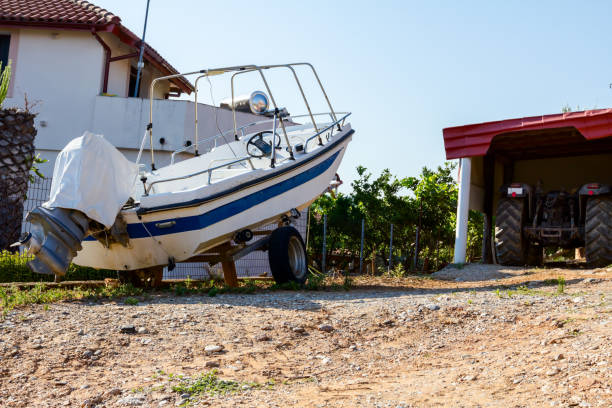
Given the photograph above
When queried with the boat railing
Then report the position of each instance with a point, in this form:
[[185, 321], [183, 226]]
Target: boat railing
[[330, 128], [211, 138], [247, 159], [238, 70], [242, 130], [197, 173]]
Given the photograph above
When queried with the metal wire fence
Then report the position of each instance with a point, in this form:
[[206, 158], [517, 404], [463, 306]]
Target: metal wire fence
[[38, 193], [254, 264]]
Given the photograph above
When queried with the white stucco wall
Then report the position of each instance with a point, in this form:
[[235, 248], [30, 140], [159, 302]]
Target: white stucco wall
[[119, 78], [62, 74], [123, 122]]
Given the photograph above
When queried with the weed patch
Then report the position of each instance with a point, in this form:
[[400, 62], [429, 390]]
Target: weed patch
[[131, 301], [560, 285], [397, 272], [210, 384], [13, 297], [13, 268]]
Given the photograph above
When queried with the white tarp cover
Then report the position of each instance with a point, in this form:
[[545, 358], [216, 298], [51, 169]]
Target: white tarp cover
[[92, 176]]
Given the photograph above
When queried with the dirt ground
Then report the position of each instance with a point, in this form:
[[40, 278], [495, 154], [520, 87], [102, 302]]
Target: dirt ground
[[513, 338]]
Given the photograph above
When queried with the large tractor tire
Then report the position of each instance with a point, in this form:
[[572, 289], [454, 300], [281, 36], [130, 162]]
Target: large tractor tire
[[511, 247], [598, 231], [287, 256]]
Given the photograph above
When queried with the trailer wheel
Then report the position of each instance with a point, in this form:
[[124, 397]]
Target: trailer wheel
[[287, 256], [510, 245], [598, 231]]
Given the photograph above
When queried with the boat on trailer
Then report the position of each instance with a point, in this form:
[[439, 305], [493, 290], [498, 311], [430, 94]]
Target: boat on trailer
[[207, 207]]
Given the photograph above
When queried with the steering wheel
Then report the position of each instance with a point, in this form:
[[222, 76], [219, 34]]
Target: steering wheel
[[260, 145]]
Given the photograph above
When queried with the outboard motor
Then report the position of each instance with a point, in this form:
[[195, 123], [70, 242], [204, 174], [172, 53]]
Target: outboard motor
[[55, 239], [91, 182]]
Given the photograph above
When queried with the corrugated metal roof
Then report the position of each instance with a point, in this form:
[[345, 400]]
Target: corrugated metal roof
[[475, 140]]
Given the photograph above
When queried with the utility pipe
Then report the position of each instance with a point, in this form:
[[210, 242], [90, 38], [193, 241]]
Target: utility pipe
[[142, 45]]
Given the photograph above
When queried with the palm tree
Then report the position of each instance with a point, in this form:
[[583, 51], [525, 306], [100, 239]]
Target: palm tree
[[17, 134]]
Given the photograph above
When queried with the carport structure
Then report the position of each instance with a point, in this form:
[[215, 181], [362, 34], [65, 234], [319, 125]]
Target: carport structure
[[562, 151]]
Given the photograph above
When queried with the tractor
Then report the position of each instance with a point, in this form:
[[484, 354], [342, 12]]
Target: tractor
[[529, 219]]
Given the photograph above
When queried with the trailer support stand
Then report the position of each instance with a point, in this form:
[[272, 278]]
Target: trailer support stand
[[229, 273], [157, 277], [227, 254]]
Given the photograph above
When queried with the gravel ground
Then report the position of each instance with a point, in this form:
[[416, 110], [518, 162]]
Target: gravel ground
[[478, 272], [412, 342]]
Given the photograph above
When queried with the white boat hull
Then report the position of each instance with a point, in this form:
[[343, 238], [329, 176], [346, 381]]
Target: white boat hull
[[179, 229]]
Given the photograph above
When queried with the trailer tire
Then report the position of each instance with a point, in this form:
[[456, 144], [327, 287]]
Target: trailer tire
[[510, 246], [598, 231], [287, 256]]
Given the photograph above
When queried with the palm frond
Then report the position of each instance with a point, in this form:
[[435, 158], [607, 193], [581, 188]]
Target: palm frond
[[5, 78]]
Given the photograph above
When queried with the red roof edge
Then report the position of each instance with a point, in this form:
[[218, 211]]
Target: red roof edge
[[475, 140]]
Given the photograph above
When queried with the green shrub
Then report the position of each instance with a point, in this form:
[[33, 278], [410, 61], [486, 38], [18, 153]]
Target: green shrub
[[397, 272]]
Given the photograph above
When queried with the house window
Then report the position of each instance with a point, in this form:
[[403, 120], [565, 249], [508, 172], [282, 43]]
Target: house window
[[5, 41], [132, 87]]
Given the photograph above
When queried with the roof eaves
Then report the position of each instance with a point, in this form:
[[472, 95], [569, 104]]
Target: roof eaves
[[150, 54]]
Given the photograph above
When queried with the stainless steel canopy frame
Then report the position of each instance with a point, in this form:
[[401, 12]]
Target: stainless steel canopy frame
[[242, 69]]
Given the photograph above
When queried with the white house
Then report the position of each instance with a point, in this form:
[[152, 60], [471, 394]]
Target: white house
[[76, 64]]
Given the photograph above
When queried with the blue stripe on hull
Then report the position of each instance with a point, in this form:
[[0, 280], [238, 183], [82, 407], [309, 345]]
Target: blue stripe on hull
[[197, 222]]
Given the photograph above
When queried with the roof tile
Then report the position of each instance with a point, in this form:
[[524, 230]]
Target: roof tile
[[59, 11]]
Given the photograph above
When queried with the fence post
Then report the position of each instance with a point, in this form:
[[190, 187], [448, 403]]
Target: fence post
[[324, 242], [308, 229], [361, 249], [416, 249], [418, 233], [390, 250]]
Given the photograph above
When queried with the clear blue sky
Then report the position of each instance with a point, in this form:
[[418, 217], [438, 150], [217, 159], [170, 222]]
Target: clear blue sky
[[405, 69]]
